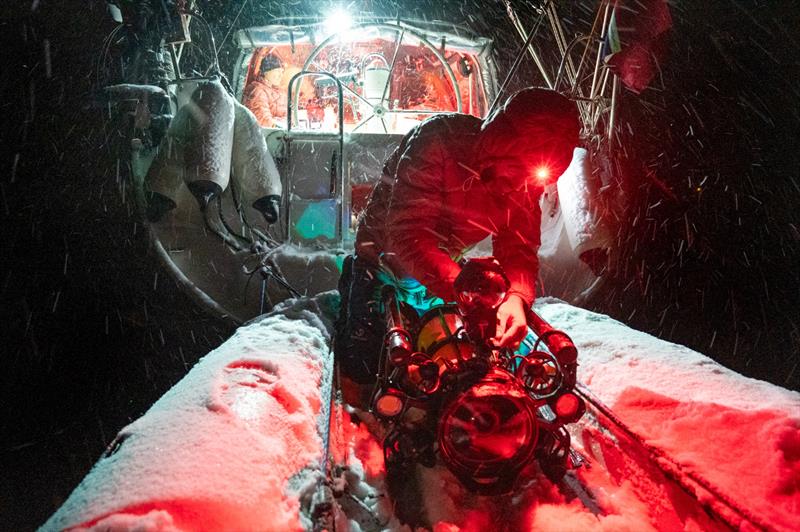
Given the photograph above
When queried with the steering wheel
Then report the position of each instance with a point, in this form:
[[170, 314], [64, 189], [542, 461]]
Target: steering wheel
[[379, 107]]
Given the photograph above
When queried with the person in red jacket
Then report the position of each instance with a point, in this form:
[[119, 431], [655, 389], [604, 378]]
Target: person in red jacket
[[265, 96], [454, 180]]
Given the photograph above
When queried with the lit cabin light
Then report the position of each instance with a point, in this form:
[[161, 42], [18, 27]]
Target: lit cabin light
[[338, 21]]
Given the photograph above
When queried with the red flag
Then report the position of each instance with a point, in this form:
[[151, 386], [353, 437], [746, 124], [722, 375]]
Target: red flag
[[636, 40]]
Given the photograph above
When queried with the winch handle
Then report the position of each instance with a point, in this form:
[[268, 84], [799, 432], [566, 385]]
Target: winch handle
[[558, 342]]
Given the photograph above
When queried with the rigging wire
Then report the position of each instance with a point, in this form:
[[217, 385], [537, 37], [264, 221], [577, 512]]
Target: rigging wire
[[266, 270], [227, 226], [226, 238], [270, 242], [271, 272], [102, 58], [512, 14], [250, 275], [517, 61], [215, 55], [264, 295], [235, 20], [563, 63]]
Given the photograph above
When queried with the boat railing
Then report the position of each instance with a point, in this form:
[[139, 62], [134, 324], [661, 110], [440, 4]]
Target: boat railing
[[335, 197]]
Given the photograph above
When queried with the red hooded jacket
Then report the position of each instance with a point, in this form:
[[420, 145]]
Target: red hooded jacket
[[431, 206]]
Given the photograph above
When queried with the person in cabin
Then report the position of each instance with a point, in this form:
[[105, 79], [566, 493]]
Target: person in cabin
[[454, 180], [265, 96]]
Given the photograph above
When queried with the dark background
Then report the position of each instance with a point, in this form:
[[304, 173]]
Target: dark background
[[92, 332]]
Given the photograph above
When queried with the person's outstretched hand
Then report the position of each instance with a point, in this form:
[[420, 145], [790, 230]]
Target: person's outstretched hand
[[512, 325]]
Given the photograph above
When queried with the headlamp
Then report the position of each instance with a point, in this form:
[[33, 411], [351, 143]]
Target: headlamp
[[542, 174]]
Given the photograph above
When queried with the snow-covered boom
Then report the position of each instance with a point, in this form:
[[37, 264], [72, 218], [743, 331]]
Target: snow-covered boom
[[488, 413]]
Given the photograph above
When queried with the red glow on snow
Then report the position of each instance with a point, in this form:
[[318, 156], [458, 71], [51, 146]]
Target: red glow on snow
[[369, 451], [350, 441], [476, 520], [738, 435], [181, 514]]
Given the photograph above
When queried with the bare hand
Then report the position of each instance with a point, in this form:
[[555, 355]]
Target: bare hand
[[512, 325]]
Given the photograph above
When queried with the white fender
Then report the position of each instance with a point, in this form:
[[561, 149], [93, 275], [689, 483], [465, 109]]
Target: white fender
[[166, 174], [255, 175], [209, 141]]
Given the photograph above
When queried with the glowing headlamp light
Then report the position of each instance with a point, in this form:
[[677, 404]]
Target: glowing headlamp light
[[542, 174]]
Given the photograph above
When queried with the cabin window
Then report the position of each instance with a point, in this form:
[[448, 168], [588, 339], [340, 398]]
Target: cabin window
[[377, 97]]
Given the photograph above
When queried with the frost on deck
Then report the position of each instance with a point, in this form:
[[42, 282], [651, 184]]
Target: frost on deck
[[740, 434], [237, 443]]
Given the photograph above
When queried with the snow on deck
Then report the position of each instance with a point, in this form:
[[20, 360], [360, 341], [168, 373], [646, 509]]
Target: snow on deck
[[236, 444], [740, 434]]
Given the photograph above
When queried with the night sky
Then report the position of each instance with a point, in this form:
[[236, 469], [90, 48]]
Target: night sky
[[93, 332]]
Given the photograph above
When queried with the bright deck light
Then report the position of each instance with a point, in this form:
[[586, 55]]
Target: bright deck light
[[338, 20]]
